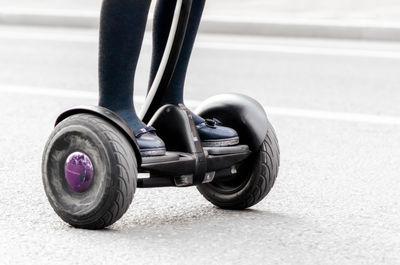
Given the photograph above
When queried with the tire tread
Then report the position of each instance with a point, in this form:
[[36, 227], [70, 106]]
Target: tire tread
[[123, 186], [263, 181]]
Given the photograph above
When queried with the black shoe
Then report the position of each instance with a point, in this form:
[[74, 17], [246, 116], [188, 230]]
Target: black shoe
[[149, 143], [212, 134]]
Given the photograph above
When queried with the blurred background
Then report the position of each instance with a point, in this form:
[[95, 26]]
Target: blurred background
[[327, 73], [384, 10]]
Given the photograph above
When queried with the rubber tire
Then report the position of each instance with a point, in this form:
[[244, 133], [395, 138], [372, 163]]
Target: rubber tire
[[115, 172], [253, 181]]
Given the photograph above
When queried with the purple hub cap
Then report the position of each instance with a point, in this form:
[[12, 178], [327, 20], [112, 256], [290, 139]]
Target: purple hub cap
[[78, 171]]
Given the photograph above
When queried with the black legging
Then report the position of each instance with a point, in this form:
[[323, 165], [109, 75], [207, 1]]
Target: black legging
[[122, 27]]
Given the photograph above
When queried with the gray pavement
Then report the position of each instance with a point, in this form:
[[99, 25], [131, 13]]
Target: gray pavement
[[335, 108]]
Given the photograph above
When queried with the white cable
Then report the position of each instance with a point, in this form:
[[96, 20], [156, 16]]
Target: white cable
[[164, 61]]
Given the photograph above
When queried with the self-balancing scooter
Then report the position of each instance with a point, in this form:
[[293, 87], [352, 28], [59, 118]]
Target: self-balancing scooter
[[91, 160]]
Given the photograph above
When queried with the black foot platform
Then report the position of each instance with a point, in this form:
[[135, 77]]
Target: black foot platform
[[176, 168]]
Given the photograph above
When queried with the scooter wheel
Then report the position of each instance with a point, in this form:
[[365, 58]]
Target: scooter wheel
[[252, 182], [89, 172]]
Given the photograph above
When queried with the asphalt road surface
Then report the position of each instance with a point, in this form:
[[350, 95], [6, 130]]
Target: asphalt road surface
[[335, 107]]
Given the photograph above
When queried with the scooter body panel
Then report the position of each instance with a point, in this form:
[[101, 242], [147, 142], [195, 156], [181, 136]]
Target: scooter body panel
[[240, 112]]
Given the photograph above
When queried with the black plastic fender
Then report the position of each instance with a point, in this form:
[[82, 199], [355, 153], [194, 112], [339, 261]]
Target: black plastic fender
[[240, 112], [109, 116]]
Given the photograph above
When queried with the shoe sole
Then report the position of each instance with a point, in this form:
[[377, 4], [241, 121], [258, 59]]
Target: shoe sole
[[153, 152], [221, 143]]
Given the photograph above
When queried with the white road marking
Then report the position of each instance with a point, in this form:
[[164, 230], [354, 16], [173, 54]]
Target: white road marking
[[302, 50], [44, 35], [278, 111], [90, 37], [333, 115]]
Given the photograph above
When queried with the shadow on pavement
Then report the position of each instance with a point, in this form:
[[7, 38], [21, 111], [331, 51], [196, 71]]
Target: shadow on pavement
[[204, 218]]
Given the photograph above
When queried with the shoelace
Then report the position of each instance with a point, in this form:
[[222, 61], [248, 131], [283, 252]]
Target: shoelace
[[144, 131], [212, 123]]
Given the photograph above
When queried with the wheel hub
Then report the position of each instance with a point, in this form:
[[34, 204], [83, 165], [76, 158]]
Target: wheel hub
[[79, 171]]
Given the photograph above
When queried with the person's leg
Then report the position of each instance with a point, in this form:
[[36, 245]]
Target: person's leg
[[163, 16], [122, 26], [210, 131]]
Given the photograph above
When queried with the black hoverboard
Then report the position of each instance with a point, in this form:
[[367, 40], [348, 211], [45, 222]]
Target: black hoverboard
[[91, 161]]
